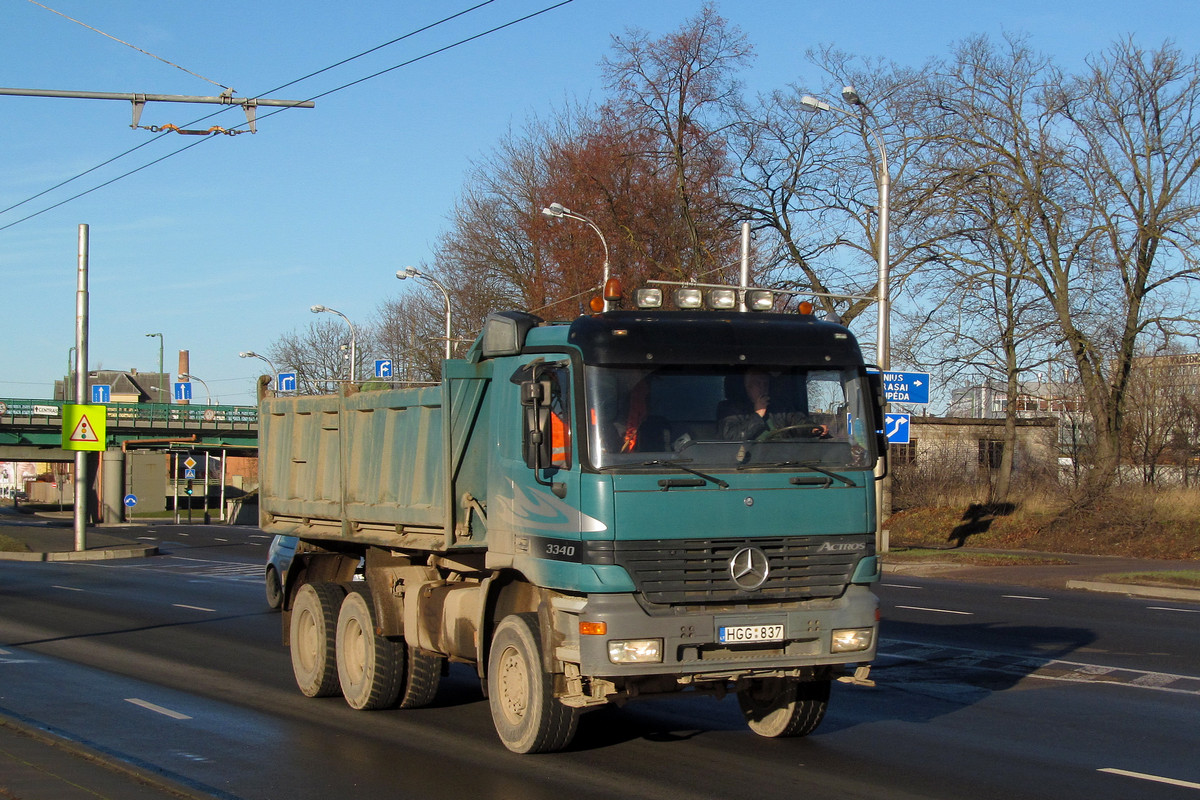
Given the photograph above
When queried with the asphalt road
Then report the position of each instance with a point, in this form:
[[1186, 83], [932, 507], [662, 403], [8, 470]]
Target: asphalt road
[[174, 663]]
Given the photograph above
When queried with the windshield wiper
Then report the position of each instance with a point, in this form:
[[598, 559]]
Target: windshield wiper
[[808, 465], [679, 465]]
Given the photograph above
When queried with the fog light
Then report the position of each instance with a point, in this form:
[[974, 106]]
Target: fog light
[[689, 298], [849, 640], [647, 298], [635, 651], [760, 300], [722, 299]]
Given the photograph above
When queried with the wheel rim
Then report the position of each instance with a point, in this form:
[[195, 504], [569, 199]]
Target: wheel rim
[[307, 642], [514, 685], [355, 656]]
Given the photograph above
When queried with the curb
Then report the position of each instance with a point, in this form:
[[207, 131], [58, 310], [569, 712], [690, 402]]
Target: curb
[[1138, 590], [99, 554]]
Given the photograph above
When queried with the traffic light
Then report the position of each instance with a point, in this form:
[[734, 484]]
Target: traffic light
[[188, 490]]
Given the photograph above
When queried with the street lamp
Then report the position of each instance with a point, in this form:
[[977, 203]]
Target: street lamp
[[413, 272], [558, 211], [160, 362], [252, 354], [353, 338], [187, 376], [883, 336]]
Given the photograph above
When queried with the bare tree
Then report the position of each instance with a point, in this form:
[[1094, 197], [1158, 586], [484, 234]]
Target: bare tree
[[679, 94], [318, 354]]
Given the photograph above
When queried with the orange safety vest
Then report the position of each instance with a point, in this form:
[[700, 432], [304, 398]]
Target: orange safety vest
[[560, 440]]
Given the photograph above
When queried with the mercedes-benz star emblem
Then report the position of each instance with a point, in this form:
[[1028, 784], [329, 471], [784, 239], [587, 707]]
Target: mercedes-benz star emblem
[[749, 568]]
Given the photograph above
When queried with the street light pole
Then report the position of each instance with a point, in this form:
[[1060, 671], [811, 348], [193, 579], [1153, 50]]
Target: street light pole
[[160, 363], [883, 333], [252, 354], [413, 272], [190, 377], [558, 211], [317, 309]]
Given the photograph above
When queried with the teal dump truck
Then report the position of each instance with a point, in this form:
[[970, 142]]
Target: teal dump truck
[[630, 504]]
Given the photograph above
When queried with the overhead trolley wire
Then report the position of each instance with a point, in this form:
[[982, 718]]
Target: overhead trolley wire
[[344, 61]]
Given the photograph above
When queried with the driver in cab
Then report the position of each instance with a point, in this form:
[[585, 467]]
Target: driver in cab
[[748, 414]]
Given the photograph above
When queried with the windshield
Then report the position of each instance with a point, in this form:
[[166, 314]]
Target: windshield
[[710, 417]]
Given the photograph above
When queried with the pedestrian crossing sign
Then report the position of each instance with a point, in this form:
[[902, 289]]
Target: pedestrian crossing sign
[[84, 427]]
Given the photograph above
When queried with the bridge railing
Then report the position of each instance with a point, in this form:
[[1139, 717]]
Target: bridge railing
[[34, 411]]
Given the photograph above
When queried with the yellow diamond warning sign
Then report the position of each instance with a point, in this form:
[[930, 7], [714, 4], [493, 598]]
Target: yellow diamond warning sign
[[84, 427]]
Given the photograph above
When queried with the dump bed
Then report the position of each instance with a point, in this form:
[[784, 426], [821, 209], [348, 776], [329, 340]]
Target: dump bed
[[371, 467]]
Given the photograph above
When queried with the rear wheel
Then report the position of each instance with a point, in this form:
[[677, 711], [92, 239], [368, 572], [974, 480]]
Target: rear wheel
[[370, 667], [421, 678], [779, 707], [313, 638], [525, 712]]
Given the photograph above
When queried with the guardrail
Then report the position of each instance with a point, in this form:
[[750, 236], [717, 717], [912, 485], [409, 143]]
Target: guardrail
[[50, 412]]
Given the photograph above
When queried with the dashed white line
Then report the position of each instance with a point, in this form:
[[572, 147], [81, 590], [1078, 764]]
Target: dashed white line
[[1148, 777], [66, 588], [1023, 597], [1168, 608], [193, 608], [938, 610], [156, 708], [900, 586]]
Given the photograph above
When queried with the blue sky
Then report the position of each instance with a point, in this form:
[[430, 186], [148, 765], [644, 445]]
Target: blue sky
[[224, 247]]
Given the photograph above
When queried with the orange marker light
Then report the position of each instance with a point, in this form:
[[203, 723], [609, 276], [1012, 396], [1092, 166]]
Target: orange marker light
[[805, 307], [593, 628]]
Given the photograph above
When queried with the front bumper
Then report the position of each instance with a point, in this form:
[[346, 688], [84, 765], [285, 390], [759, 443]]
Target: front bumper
[[690, 643]]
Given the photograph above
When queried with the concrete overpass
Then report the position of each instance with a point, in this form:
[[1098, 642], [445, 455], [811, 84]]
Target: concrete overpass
[[31, 430]]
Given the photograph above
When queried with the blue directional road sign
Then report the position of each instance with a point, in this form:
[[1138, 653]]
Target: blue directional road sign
[[101, 393], [906, 387], [286, 381], [896, 426], [130, 500], [383, 368], [183, 390]]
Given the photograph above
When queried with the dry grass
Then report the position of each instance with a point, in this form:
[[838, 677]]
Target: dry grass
[[1134, 523], [11, 545]]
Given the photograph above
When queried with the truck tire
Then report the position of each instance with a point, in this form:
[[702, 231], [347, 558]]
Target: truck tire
[[370, 667], [421, 679], [313, 638], [525, 712], [780, 707], [274, 588]]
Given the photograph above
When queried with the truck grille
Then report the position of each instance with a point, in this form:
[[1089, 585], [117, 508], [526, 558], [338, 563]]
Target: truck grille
[[698, 570]]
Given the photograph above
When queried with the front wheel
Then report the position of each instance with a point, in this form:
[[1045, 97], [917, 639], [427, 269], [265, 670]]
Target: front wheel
[[780, 707], [525, 712]]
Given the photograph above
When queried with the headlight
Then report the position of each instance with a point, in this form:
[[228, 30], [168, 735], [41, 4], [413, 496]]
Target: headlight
[[635, 651], [849, 640], [722, 298]]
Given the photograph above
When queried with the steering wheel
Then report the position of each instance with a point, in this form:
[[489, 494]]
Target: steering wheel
[[807, 430]]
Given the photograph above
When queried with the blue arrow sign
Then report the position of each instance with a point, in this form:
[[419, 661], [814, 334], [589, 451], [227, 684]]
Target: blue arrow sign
[[286, 381], [906, 387], [896, 426], [183, 390], [101, 393], [383, 368], [130, 500]]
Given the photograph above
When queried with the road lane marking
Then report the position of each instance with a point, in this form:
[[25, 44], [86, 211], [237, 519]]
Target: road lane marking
[[963, 665], [900, 586], [1168, 608], [156, 708], [1023, 597], [1148, 777], [66, 588], [937, 610], [193, 608]]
